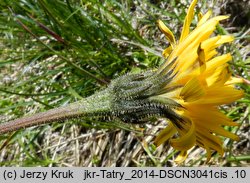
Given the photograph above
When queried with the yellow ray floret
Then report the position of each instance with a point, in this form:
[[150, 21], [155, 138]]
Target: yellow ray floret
[[204, 83]]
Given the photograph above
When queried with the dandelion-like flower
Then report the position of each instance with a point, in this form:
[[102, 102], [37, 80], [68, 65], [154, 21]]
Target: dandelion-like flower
[[187, 90], [204, 83]]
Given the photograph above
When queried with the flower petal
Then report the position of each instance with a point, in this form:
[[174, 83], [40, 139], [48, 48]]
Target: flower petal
[[165, 134], [167, 51], [234, 80], [207, 44], [192, 91], [217, 61], [207, 139], [186, 141], [214, 42], [188, 20], [192, 42], [221, 95], [204, 82], [204, 18], [181, 157], [208, 153], [168, 33]]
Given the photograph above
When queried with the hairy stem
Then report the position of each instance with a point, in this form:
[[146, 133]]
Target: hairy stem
[[132, 98], [91, 106]]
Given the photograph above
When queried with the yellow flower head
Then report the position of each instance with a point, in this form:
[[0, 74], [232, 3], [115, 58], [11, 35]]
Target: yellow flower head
[[204, 82]]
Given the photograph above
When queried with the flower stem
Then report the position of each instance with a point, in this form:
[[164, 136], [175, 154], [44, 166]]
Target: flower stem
[[95, 105]]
